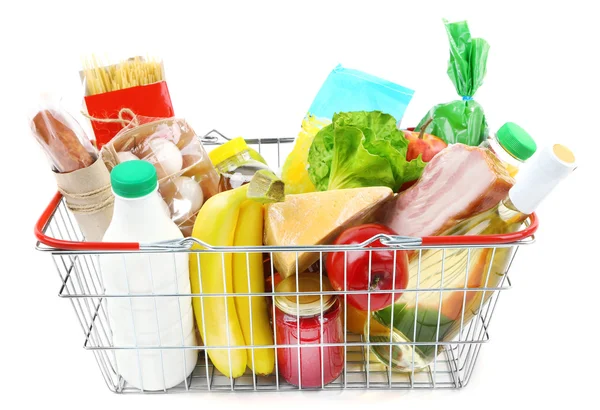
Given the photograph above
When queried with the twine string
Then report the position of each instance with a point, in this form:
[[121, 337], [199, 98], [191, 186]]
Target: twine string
[[121, 118], [91, 207]]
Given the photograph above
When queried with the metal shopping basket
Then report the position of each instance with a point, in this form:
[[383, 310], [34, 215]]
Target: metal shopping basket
[[454, 353]]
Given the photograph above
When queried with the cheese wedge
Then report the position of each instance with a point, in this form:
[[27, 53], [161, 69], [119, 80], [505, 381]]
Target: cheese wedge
[[317, 218]]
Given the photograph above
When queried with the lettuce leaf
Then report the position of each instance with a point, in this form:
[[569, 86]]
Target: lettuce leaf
[[353, 166], [320, 156], [361, 149]]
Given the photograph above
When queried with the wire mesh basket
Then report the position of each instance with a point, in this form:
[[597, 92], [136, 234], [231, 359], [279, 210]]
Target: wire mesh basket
[[431, 338]]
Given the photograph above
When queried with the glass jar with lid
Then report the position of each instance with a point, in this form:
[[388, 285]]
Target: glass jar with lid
[[512, 145], [235, 163], [308, 321]]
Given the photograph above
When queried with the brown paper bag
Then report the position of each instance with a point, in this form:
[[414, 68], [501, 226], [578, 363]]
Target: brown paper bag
[[89, 197]]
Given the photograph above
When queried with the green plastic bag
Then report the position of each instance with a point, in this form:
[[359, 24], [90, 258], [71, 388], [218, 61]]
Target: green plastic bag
[[461, 121]]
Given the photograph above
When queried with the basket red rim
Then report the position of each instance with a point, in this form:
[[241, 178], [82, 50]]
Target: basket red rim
[[63, 245], [60, 244]]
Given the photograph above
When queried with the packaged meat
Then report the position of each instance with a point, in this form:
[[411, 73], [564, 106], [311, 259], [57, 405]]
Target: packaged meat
[[459, 182]]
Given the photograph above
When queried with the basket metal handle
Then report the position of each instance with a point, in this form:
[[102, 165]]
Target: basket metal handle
[[519, 237], [214, 137]]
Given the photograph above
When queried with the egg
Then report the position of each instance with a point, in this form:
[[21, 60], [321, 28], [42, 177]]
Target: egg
[[190, 160], [194, 166], [192, 146], [126, 156], [188, 198], [165, 156]]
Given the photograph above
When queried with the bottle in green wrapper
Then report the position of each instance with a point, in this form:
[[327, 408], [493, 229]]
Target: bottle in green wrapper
[[461, 120]]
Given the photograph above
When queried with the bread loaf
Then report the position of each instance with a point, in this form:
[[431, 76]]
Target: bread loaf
[[60, 142]]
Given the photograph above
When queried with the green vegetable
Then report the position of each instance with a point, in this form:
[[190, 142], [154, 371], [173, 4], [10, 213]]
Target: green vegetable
[[461, 121], [404, 323], [361, 149]]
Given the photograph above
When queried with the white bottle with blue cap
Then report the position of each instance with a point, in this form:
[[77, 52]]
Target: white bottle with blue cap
[[147, 322]]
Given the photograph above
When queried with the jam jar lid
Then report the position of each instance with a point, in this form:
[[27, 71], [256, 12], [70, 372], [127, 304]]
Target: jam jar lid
[[306, 305], [229, 149]]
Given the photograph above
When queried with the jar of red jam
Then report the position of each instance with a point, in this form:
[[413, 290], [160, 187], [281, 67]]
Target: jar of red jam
[[308, 321]]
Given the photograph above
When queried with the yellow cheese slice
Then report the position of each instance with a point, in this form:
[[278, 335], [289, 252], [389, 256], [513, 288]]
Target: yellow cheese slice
[[317, 218]]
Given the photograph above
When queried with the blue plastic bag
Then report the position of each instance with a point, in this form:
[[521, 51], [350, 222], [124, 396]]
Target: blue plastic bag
[[346, 90]]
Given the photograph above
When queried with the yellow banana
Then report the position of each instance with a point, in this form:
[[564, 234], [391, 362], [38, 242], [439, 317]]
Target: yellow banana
[[248, 277], [215, 225]]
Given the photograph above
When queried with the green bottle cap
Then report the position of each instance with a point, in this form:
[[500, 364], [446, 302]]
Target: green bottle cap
[[516, 141], [133, 179]]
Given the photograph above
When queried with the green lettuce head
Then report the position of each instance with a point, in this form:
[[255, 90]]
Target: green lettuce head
[[361, 149]]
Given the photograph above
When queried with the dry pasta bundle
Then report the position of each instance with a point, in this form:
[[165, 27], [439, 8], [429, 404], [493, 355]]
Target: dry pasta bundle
[[137, 85]]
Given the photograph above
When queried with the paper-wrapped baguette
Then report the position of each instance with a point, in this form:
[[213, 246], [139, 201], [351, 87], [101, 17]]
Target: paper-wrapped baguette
[[60, 142], [81, 176]]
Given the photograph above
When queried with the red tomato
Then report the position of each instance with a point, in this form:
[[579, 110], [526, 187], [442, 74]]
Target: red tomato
[[357, 270]]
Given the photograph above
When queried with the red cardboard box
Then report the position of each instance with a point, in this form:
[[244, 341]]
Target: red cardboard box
[[152, 100], [140, 89]]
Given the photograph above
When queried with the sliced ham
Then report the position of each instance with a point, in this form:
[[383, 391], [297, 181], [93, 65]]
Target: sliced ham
[[459, 182]]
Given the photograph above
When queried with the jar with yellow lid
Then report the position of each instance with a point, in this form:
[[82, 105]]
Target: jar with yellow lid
[[304, 316], [236, 164]]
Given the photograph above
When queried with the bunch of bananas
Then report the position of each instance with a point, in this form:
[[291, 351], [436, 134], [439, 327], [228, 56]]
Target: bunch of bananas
[[227, 219]]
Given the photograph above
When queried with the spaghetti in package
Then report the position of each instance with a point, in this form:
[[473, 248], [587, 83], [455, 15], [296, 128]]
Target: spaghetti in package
[[344, 90], [136, 84], [186, 176]]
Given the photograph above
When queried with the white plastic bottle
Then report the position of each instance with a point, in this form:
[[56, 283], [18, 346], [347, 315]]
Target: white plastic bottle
[[147, 321]]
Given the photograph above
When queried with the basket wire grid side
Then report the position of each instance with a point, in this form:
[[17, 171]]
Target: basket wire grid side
[[452, 368], [82, 285]]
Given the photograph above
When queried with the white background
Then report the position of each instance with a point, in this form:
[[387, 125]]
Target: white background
[[252, 69]]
